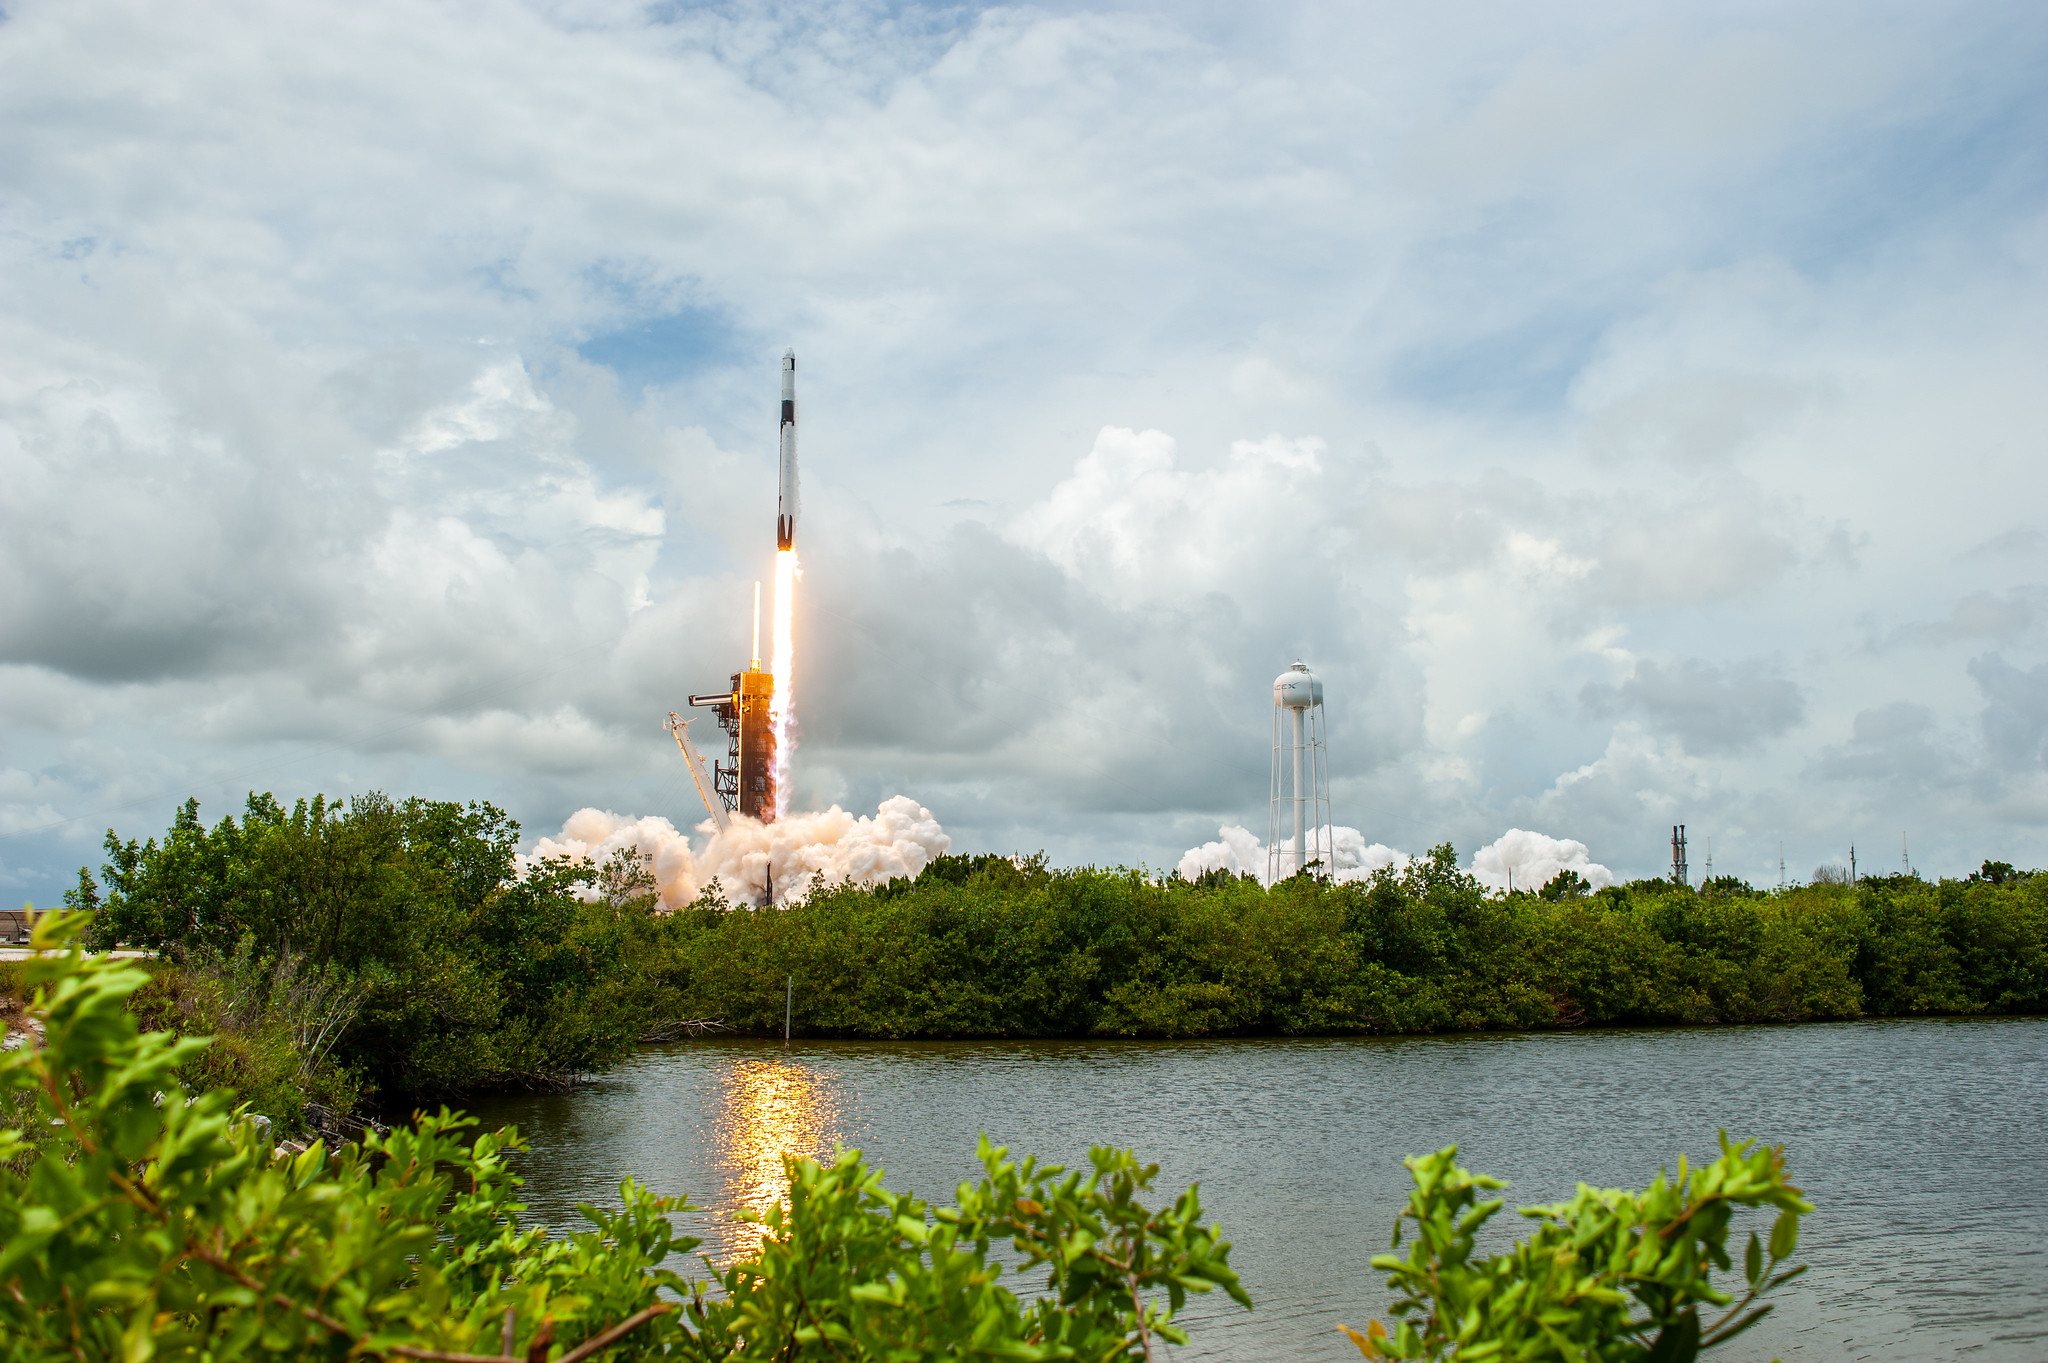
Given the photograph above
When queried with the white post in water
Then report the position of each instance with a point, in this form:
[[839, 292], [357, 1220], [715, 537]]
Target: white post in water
[[1299, 806], [788, 1006]]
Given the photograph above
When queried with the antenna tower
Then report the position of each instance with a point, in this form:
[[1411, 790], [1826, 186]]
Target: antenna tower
[[1298, 831], [1678, 867]]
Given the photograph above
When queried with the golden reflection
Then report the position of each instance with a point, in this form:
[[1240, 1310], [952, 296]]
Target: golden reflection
[[772, 1108]]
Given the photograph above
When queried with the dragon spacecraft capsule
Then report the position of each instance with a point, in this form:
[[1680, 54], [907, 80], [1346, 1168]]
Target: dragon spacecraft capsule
[[785, 501]]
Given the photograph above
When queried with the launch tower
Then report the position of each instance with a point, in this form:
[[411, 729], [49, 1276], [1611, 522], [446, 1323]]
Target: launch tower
[[745, 781], [1300, 805]]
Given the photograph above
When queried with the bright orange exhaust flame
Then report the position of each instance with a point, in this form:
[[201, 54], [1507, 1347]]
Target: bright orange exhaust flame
[[780, 708]]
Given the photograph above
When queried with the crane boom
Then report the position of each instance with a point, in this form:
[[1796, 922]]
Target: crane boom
[[680, 727]]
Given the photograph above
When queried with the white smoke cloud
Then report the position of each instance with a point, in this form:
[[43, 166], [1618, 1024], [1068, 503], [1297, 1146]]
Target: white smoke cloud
[[1240, 852], [1356, 858], [801, 851], [593, 835], [794, 855], [1528, 861]]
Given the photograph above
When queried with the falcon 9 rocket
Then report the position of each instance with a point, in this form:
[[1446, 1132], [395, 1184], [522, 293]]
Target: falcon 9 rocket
[[785, 482]]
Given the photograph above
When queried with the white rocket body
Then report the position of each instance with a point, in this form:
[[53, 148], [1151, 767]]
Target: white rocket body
[[785, 502]]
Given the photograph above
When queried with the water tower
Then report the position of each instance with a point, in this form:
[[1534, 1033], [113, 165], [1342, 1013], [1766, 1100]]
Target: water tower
[[1300, 804]]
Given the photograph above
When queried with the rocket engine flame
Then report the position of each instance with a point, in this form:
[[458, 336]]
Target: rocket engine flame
[[781, 710]]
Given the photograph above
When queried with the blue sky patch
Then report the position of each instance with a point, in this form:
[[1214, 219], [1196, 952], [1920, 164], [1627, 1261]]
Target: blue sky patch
[[661, 349]]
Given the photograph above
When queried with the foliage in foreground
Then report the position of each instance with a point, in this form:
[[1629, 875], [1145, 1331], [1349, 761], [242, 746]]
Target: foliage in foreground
[[139, 1221], [1608, 1277]]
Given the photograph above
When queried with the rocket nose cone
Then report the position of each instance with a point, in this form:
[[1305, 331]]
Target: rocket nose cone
[[789, 359]]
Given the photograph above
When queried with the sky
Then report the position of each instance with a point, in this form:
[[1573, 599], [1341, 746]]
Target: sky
[[1635, 414]]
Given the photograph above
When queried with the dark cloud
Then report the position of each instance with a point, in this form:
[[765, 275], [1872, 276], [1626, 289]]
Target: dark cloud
[[1693, 418], [2021, 539], [1978, 617], [1708, 707], [2015, 717], [147, 537], [1891, 745]]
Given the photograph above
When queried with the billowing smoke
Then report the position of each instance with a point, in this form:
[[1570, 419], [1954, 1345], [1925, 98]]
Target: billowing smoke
[[1532, 859], [799, 851], [1241, 853], [593, 835], [793, 855]]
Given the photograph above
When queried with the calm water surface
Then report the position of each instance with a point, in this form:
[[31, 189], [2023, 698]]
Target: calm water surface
[[1923, 1144]]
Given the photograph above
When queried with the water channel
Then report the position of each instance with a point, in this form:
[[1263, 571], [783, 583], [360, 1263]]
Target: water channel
[[1923, 1143]]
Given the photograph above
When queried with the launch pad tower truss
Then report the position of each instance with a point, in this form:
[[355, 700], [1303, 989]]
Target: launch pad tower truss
[[1298, 813], [725, 776], [745, 782]]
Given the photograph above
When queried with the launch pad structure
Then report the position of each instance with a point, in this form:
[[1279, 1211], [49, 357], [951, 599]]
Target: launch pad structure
[[745, 782]]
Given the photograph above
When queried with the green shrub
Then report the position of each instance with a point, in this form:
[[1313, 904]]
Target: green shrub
[[469, 976], [1608, 1277]]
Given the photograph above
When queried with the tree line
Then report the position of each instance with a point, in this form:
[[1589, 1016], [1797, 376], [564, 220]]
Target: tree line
[[990, 946], [383, 951]]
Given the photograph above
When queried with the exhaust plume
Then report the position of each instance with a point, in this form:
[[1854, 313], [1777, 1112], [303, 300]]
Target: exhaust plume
[[792, 856], [1241, 853], [1526, 859], [782, 663], [1533, 858]]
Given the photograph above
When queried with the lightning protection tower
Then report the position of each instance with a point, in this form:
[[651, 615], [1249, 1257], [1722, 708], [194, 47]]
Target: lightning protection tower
[[1299, 810]]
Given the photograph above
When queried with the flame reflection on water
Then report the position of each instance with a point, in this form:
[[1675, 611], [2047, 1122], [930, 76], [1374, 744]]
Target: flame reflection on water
[[770, 1108]]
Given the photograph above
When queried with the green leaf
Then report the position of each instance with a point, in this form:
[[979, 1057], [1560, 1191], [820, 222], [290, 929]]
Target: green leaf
[[1678, 1342], [1753, 1260], [1785, 1235]]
